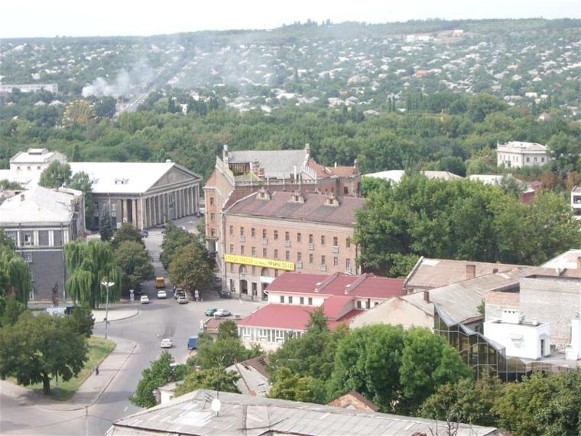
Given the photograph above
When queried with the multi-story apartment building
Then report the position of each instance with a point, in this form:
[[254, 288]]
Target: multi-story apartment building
[[267, 233], [576, 201], [240, 173], [41, 221], [517, 154]]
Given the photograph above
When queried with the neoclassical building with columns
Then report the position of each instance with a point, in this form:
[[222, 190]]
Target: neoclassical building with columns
[[143, 194]]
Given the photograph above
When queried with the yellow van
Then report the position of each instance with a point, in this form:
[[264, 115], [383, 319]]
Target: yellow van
[[159, 282]]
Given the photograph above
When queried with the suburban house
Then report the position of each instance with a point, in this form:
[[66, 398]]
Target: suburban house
[[144, 194], [238, 174], [208, 412], [292, 297], [41, 221], [576, 201], [516, 154], [269, 232]]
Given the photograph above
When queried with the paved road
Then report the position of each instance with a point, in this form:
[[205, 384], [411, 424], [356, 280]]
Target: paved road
[[107, 395]]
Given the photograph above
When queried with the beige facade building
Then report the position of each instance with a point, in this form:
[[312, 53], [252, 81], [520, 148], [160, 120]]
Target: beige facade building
[[516, 154], [267, 233], [282, 172]]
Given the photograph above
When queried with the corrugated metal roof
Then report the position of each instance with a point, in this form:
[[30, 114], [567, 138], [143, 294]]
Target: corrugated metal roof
[[276, 163], [239, 414]]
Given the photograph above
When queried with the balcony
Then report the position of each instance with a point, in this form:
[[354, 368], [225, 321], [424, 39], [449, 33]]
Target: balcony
[[311, 246], [335, 249]]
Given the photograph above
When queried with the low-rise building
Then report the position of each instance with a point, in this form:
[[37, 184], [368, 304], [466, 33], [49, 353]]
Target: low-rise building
[[576, 201], [516, 154], [41, 221]]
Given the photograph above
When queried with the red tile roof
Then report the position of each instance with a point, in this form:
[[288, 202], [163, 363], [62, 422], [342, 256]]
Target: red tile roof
[[280, 316], [334, 305], [324, 171], [362, 286]]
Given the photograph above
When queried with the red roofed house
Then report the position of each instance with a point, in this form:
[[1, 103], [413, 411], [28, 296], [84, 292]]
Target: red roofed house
[[294, 296]]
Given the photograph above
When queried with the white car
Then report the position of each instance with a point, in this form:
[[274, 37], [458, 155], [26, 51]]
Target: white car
[[161, 294], [222, 312], [166, 343], [144, 299]]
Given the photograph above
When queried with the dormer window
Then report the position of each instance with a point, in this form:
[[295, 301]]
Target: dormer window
[[332, 200], [263, 194]]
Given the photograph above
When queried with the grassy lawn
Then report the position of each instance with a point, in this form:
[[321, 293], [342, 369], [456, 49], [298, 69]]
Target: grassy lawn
[[99, 348]]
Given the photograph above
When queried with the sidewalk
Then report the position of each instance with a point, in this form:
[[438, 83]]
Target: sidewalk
[[92, 388]]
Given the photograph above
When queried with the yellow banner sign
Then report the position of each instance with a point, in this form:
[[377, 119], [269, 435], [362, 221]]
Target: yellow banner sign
[[268, 263]]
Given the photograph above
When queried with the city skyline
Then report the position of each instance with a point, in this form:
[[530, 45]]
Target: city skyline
[[108, 18]]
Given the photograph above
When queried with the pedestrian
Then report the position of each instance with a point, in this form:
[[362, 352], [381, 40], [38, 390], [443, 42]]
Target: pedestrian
[[97, 370]]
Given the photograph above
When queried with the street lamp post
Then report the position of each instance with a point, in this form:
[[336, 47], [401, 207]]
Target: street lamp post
[[107, 286]]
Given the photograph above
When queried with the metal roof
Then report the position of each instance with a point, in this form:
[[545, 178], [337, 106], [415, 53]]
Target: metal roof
[[191, 414], [276, 163]]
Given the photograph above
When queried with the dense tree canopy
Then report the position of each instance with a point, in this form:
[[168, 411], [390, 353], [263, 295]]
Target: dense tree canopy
[[57, 174]]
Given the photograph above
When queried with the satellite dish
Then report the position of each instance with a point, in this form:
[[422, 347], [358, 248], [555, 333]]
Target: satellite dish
[[216, 405]]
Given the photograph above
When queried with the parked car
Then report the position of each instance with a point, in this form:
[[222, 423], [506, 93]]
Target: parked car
[[179, 292], [161, 294], [210, 311], [144, 299], [166, 343], [192, 342], [182, 300], [222, 312]]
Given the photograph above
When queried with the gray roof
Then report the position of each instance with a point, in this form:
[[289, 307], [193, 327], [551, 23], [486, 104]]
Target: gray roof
[[191, 414], [276, 163], [568, 260], [38, 206], [313, 209]]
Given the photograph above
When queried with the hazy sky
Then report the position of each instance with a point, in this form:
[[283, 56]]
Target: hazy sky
[[50, 18]]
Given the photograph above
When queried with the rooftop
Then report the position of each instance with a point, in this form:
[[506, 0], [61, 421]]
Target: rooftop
[[315, 208], [192, 414], [519, 147]]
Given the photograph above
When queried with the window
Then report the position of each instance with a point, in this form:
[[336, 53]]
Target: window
[[28, 239], [287, 236], [276, 273], [311, 258], [290, 300], [253, 271], [345, 190], [242, 250], [528, 159], [335, 241], [264, 233], [323, 260], [287, 255], [359, 306], [302, 300], [299, 236], [253, 250], [282, 298], [212, 232], [231, 248], [348, 263], [335, 261], [275, 235], [27, 257], [231, 230], [241, 231], [212, 216], [264, 252], [231, 267], [322, 239], [299, 256], [311, 239], [253, 232], [348, 242], [211, 201], [276, 254], [310, 301]]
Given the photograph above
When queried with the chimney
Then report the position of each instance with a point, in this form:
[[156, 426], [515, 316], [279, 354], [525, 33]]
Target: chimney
[[579, 262], [318, 287], [347, 289], [470, 271], [427, 296]]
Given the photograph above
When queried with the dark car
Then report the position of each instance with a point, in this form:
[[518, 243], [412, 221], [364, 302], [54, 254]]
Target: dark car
[[144, 233]]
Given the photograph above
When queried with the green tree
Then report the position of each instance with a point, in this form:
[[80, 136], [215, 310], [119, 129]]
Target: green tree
[[368, 361], [192, 267], [82, 182], [133, 260], [427, 361], [288, 386], [11, 311], [81, 321], [57, 174], [228, 329], [212, 378], [222, 352], [173, 239], [105, 226], [89, 264], [39, 348], [158, 374], [127, 232], [15, 276]]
